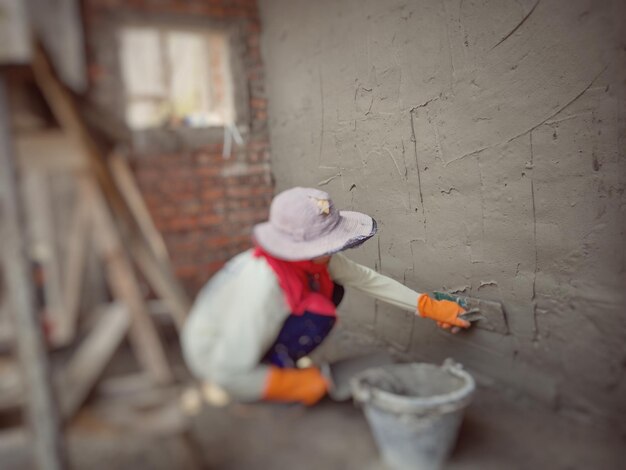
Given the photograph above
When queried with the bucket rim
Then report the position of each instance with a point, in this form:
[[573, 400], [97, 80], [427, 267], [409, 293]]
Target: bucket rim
[[366, 394]]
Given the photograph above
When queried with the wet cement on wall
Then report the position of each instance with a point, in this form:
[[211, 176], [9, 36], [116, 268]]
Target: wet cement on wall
[[487, 138]]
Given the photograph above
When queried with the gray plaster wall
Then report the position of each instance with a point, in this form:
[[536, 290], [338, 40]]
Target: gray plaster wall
[[487, 138]]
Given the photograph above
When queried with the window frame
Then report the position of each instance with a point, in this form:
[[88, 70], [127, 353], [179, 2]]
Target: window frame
[[180, 138]]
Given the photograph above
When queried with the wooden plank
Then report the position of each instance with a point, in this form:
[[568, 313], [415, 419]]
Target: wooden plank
[[91, 358], [162, 281], [42, 410], [157, 272], [96, 290], [77, 254], [124, 284], [49, 150], [11, 386], [121, 386], [130, 191], [6, 326], [45, 249]]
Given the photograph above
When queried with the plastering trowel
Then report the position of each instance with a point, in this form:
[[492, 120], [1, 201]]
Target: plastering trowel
[[483, 314]]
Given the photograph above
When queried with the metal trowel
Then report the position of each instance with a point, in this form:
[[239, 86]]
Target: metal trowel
[[483, 314], [472, 315]]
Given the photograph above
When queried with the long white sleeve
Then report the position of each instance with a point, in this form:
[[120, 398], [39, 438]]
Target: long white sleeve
[[348, 273]]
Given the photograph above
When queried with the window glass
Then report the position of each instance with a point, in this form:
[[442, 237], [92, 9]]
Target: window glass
[[176, 78]]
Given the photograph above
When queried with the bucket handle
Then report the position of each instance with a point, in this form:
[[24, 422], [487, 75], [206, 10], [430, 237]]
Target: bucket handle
[[364, 393]]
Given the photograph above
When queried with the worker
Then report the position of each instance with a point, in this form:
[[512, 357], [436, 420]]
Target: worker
[[272, 305]]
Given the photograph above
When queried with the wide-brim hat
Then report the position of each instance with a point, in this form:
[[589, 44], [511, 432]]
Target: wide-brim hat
[[304, 224]]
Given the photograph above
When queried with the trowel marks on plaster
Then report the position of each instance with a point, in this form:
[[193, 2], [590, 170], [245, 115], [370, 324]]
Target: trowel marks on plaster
[[494, 318], [523, 80]]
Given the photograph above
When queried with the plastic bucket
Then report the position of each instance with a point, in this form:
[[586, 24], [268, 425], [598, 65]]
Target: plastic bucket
[[414, 410]]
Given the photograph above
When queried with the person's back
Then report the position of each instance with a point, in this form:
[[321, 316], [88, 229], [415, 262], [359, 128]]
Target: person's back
[[243, 293]]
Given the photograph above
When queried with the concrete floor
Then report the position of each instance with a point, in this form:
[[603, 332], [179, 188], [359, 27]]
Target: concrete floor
[[495, 435], [499, 432]]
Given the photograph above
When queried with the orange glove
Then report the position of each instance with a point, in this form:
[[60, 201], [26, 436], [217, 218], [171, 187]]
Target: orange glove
[[307, 386], [444, 312]]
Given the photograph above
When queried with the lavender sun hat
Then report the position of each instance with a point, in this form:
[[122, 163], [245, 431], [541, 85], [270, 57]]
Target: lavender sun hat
[[304, 224]]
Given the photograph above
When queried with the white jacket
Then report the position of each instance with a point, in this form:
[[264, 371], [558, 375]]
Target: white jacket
[[240, 311]]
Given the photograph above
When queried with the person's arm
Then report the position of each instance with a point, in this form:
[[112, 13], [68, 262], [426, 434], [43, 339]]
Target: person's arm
[[379, 286], [351, 274]]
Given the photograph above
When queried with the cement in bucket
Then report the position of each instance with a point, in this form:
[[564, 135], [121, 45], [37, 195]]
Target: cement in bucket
[[414, 411]]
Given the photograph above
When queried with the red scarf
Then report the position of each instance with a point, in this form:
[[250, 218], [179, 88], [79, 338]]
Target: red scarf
[[293, 278]]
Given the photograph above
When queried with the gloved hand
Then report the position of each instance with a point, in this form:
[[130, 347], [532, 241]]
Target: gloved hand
[[307, 386], [444, 312]]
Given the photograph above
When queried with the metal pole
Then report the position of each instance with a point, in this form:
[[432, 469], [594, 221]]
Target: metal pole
[[42, 409]]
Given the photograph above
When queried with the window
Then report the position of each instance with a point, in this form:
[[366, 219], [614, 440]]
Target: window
[[176, 77]]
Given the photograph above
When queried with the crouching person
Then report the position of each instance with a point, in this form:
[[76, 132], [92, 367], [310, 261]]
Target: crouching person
[[272, 305]]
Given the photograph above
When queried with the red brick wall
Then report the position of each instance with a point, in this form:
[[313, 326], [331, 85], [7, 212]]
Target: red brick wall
[[204, 205]]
